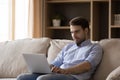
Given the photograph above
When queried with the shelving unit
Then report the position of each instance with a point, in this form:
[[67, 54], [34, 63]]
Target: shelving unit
[[69, 9], [100, 20], [63, 27], [66, 1], [113, 27], [100, 14]]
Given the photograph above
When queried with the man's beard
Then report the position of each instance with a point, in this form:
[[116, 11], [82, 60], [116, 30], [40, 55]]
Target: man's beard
[[79, 42]]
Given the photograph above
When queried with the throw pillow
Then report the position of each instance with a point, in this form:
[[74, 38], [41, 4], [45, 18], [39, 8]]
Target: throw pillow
[[11, 60], [114, 75], [55, 48]]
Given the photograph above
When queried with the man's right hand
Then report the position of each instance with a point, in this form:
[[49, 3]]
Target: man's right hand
[[59, 70], [55, 69]]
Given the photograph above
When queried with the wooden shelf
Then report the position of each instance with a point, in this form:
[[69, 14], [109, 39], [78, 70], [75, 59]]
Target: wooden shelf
[[115, 26], [65, 1], [60, 27], [100, 14], [101, 0]]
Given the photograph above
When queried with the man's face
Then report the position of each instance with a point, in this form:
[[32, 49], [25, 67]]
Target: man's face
[[78, 34]]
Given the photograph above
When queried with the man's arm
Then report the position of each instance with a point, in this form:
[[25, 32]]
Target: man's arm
[[77, 69]]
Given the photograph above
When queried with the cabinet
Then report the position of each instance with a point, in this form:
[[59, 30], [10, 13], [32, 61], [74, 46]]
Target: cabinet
[[100, 14], [114, 28]]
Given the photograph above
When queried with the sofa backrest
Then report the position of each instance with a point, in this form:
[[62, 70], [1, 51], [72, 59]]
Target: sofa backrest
[[55, 47], [11, 60], [111, 57]]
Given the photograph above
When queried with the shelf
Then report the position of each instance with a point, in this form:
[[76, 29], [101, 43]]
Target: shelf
[[65, 1], [61, 27], [115, 26], [99, 13], [101, 0]]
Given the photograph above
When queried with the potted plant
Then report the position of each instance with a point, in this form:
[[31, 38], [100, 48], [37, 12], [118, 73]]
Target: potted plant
[[56, 20]]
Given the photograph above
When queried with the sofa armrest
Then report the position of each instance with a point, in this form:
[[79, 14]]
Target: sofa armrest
[[114, 75]]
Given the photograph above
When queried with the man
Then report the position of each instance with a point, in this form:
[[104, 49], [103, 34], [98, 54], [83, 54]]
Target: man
[[76, 61]]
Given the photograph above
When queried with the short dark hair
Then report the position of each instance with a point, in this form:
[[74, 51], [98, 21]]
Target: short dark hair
[[80, 21]]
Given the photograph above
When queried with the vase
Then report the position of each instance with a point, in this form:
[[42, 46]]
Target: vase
[[56, 22]]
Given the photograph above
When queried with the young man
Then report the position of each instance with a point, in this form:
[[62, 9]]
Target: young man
[[76, 61]]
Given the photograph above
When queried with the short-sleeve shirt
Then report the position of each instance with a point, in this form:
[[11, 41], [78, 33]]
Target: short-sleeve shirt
[[72, 54]]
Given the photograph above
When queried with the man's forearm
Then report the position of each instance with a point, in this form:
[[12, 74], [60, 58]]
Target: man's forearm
[[77, 69]]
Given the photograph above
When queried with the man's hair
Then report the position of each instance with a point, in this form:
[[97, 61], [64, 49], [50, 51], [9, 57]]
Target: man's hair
[[79, 21]]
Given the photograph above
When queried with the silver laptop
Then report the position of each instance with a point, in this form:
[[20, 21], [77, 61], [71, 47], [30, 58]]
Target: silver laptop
[[37, 63]]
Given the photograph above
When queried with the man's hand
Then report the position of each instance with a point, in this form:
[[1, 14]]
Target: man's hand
[[59, 70]]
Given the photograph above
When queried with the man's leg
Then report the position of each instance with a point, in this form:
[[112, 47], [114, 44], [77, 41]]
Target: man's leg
[[56, 77], [28, 76]]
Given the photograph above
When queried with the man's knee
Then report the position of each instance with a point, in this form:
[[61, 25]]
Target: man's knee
[[21, 77], [27, 76], [42, 77], [46, 77]]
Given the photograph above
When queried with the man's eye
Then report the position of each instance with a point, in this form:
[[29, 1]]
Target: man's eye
[[77, 31]]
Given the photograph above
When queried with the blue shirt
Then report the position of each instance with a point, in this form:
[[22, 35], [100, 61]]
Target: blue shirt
[[73, 54]]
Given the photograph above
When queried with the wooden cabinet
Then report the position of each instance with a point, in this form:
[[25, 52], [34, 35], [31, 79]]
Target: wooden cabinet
[[114, 26], [99, 18], [100, 14]]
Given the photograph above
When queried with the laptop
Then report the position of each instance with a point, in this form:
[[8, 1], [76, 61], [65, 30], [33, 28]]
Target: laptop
[[37, 63]]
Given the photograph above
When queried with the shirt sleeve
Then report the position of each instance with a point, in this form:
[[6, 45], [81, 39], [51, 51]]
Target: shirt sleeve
[[95, 55], [59, 59]]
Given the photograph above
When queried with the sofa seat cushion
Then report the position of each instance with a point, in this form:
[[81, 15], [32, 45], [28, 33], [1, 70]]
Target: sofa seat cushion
[[11, 59], [8, 79], [111, 57], [55, 47], [114, 75]]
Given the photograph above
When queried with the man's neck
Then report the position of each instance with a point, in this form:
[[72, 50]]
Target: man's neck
[[83, 42]]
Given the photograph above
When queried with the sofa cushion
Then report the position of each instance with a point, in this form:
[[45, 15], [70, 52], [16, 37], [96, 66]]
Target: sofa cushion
[[11, 59], [111, 56], [114, 75], [55, 48]]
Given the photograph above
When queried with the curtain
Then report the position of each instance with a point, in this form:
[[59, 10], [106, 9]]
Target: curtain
[[37, 29], [23, 20], [4, 31]]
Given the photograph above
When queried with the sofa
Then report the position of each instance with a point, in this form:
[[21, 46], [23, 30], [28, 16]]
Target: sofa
[[12, 63]]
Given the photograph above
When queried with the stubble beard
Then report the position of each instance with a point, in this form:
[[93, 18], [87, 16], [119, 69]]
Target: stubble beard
[[79, 42]]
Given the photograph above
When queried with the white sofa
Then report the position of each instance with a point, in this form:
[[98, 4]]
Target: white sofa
[[12, 62]]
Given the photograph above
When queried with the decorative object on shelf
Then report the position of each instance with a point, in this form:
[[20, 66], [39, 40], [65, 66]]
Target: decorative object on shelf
[[116, 19], [56, 20]]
